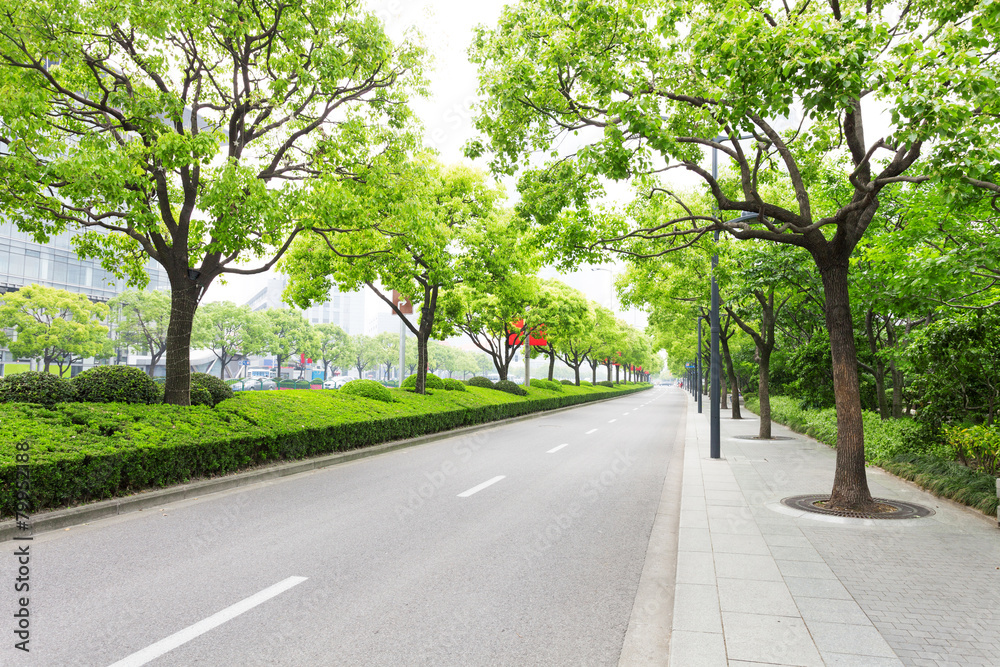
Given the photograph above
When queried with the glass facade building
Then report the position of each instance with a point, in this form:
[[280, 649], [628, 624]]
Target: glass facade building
[[24, 262], [55, 264]]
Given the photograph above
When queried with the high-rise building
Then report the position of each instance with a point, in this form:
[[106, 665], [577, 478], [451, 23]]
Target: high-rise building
[[345, 309], [55, 264], [25, 262]]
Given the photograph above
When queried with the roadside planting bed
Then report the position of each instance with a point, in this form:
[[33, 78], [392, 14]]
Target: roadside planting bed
[[81, 452]]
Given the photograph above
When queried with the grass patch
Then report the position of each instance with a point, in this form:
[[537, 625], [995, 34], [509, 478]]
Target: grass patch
[[79, 452]]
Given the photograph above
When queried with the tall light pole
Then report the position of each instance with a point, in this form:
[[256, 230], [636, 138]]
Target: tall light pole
[[715, 395], [699, 368]]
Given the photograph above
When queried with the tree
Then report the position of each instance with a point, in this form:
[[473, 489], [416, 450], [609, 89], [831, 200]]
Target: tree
[[57, 326], [417, 229], [386, 348], [231, 331], [647, 85], [289, 335], [333, 346], [565, 314], [488, 318], [191, 134], [141, 319], [362, 353]]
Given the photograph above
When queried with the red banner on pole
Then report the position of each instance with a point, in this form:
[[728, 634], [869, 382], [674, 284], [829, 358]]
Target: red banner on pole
[[516, 339]]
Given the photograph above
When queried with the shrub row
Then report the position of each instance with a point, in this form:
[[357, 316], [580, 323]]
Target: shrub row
[[551, 385], [83, 452], [104, 384], [900, 446]]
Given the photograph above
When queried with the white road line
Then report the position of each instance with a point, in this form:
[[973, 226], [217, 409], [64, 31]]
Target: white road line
[[590, 431], [612, 421], [556, 449], [480, 487], [161, 647]]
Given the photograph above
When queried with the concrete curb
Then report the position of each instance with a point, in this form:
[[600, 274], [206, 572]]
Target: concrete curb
[[647, 638], [74, 516]]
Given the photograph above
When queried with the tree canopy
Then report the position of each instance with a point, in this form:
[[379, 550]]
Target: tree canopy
[[196, 134]]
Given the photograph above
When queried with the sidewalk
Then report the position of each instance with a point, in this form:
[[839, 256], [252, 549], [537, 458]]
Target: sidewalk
[[759, 583]]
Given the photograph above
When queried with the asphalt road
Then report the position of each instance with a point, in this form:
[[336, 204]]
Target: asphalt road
[[407, 558]]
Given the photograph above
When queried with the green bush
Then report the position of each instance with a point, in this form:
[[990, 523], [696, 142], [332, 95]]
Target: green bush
[[367, 389], [217, 389], [977, 447], [116, 384], [542, 383], [480, 381], [510, 387], [606, 383], [567, 382], [34, 387], [453, 385], [586, 383], [88, 451], [432, 382], [200, 395]]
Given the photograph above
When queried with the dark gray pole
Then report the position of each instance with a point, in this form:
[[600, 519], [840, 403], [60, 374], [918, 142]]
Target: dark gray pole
[[714, 416], [700, 367]]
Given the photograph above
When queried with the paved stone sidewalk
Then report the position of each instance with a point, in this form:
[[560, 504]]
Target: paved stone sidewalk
[[759, 583]]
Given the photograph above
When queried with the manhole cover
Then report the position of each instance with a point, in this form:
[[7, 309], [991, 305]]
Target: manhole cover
[[903, 510], [757, 437]]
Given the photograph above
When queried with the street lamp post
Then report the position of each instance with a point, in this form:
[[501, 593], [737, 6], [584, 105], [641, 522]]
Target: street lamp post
[[716, 370], [699, 369]]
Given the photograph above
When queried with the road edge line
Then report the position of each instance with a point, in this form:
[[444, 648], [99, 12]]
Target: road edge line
[[647, 638]]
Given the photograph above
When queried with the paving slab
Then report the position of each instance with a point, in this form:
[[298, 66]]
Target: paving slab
[[795, 588]]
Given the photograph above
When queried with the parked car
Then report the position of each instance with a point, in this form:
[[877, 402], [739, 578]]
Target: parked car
[[336, 382], [257, 384]]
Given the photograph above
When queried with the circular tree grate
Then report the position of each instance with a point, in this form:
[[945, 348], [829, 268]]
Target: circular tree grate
[[900, 509], [757, 437]]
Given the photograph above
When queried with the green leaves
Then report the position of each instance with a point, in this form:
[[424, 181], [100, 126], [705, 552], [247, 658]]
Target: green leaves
[[52, 324]]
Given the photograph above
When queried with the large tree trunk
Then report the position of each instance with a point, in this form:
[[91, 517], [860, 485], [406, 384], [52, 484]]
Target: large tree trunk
[[850, 482], [577, 369], [183, 304], [422, 357], [552, 363], [764, 392], [609, 372]]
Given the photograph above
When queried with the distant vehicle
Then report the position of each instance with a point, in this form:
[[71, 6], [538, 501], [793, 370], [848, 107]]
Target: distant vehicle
[[256, 384], [336, 382], [265, 373]]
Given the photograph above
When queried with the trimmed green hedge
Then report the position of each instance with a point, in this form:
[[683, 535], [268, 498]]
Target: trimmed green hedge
[[480, 381], [451, 384], [217, 389], [432, 382], [368, 389], [116, 384], [510, 387], [35, 387], [80, 452], [546, 384], [900, 446]]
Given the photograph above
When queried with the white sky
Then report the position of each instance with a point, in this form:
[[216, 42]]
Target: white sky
[[447, 28]]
